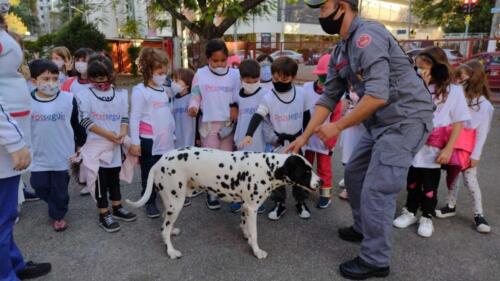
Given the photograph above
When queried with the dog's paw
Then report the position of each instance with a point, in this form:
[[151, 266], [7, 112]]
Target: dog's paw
[[260, 254], [174, 254], [176, 231]]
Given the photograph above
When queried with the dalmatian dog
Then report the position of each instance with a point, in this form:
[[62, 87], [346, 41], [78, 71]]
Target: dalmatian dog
[[245, 177]]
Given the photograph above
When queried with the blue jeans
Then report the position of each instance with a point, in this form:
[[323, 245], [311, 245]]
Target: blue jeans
[[11, 260], [52, 187]]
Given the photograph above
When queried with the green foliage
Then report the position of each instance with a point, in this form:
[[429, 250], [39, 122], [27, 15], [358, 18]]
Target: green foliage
[[26, 11], [79, 34], [42, 45], [131, 29], [133, 54], [449, 15]]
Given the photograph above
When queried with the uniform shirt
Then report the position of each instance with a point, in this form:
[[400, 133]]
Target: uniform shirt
[[14, 104], [315, 143], [453, 110], [247, 106], [285, 110], [481, 112], [51, 132], [215, 93], [74, 86], [107, 110], [185, 125], [371, 60]]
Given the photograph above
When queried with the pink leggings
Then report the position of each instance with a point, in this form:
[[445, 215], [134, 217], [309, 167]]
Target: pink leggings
[[213, 141]]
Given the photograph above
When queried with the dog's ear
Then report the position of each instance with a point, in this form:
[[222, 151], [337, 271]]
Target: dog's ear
[[280, 172]]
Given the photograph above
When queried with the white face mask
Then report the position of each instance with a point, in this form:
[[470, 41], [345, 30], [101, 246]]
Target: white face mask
[[59, 63], [81, 67], [250, 88], [176, 88], [48, 88], [159, 79], [219, 70]]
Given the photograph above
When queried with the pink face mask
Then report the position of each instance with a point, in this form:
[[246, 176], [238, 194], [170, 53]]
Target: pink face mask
[[102, 86]]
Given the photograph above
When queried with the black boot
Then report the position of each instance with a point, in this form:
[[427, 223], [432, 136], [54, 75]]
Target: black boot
[[34, 270], [358, 269], [350, 234]]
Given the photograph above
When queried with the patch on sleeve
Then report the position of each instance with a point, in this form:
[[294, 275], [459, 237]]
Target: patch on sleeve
[[364, 41]]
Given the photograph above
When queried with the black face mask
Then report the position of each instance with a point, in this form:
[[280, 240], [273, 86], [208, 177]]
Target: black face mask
[[331, 26], [281, 87]]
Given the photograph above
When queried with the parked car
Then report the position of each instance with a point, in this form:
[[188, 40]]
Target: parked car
[[288, 53], [491, 62], [454, 56]]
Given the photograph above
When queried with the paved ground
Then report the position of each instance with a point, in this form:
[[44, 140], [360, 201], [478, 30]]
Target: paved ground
[[213, 247]]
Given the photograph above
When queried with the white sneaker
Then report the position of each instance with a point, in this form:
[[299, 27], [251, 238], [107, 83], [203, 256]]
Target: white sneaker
[[85, 191], [425, 228], [342, 183], [303, 211], [405, 219]]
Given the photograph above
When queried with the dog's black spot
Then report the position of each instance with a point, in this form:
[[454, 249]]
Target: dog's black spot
[[191, 179], [226, 177], [224, 185], [196, 174], [180, 185], [160, 186], [173, 171], [173, 192], [230, 167], [218, 177], [171, 158], [169, 213], [183, 156], [162, 169], [234, 159], [155, 188], [262, 182], [243, 213], [256, 164], [221, 165], [196, 153], [255, 193], [248, 186], [272, 157], [221, 195], [167, 223]]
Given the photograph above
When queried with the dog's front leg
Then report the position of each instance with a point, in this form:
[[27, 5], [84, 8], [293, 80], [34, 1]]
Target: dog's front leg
[[243, 222], [252, 233]]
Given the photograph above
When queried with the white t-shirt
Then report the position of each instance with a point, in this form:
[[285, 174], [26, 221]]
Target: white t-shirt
[[481, 115], [107, 110], [315, 143], [76, 87], [247, 106], [52, 136], [217, 93], [185, 125], [453, 110]]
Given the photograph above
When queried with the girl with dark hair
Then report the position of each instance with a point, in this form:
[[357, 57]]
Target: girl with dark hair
[[104, 114], [450, 113], [214, 88], [80, 81], [477, 93]]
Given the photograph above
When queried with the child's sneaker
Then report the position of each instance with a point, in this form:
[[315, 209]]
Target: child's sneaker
[[152, 211], [235, 207], [85, 191], [324, 202], [59, 225], [406, 219], [212, 202], [446, 212], [303, 211], [342, 183], [261, 209], [277, 212], [481, 224], [187, 202], [121, 213], [425, 228], [107, 222]]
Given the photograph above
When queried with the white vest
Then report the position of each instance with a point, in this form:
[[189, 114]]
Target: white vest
[[286, 118], [185, 125], [52, 136], [247, 105]]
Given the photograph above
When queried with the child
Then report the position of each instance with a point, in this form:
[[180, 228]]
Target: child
[[79, 83], [477, 93], [151, 122], [53, 114], [185, 125], [315, 148], [451, 111], [248, 100], [288, 109], [213, 92], [62, 58], [104, 113], [266, 78]]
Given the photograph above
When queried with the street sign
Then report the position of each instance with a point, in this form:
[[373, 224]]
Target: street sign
[[495, 10]]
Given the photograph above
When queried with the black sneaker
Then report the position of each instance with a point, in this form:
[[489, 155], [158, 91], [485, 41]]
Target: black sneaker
[[122, 214], [446, 212], [152, 211], [107, 223], [30, 196], [278, 211], [482, 225], [303, 210], [34, 270], [212, 202], [350, 234], [358, 269]]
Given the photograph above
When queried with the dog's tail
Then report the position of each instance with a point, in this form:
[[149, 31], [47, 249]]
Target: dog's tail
[[147, 192]]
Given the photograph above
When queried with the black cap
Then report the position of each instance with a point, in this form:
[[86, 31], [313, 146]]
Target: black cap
[[317, 3]]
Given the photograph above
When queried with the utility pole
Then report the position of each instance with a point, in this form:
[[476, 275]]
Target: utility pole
[[495, 22], [409, 19]]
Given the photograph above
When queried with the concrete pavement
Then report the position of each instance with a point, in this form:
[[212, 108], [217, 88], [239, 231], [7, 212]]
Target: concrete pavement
[[214, 249]]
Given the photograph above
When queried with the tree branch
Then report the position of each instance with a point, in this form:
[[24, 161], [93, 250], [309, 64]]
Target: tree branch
[[172, 9], [246, 6]]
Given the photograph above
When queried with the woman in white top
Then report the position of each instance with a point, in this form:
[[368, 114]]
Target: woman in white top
[[61, 56], [80, 82], [477, 92], [214, 88], [425, 172], [152, 124]]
